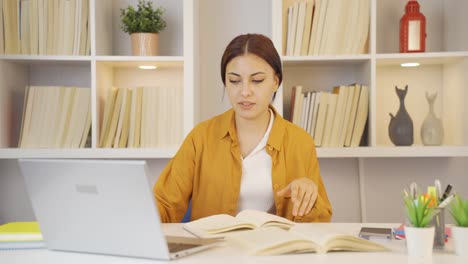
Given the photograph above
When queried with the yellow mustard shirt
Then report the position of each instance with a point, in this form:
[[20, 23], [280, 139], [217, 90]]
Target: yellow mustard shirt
[[208, 169]]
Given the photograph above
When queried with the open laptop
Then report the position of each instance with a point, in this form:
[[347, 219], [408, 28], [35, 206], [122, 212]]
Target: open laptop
[[101, 206]]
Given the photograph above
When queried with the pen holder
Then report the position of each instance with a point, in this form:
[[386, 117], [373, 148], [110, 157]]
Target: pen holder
[[439, 225]]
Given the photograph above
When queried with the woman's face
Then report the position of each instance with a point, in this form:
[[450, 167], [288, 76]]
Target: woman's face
[[250, 84]]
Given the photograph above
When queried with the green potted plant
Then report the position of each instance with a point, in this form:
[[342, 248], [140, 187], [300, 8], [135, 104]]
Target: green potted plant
[[420, 210], [459, 212], [143, 24]]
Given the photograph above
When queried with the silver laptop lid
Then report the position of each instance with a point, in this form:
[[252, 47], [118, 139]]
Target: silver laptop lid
[[98, 206]]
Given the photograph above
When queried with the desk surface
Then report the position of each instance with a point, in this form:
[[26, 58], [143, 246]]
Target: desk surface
[[229, 255]]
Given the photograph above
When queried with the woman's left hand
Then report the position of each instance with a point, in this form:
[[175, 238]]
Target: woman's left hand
[[303, 193]]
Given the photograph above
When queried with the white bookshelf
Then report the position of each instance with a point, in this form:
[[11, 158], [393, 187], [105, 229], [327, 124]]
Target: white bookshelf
[[443, 69], [109, 64]]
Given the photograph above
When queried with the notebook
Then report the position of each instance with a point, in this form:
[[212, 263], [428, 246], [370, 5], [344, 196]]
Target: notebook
[[101, 206]]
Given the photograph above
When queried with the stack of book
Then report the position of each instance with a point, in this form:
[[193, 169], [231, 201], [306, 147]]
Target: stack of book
[[142, 117], [20, 235], [44, 27], [324, 27], [56, 117], [336, 119]]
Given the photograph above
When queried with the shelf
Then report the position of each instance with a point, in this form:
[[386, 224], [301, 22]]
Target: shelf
[[87, 153], [392, 152], [47, 59], [429, 58], [325, 60], [150, 153]]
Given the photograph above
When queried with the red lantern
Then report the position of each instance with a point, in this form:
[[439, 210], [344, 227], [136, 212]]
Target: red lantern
[[412, 29]]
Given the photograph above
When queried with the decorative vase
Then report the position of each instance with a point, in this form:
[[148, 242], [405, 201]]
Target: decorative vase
[[419, 241], [400, 129], [460, 239], [144, 44], [432, 131]]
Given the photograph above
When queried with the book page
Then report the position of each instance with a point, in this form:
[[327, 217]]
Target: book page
[[259, 218], [271, 241], [332, 239], [215, 224]]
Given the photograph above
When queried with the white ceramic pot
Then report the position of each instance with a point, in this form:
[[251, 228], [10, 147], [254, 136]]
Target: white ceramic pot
[[144, 44], [419, 241], [460, 240]]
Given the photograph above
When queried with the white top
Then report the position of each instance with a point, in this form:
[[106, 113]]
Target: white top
[[255, 190]]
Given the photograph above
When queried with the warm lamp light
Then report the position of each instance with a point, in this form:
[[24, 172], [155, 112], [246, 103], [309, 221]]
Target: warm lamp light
[[412, 29], [410, 64], [147, 67]]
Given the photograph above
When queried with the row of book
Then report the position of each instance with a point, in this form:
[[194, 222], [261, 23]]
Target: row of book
[[44, 27], [142, 117], [56, 117], [335, 119], [326, 27]]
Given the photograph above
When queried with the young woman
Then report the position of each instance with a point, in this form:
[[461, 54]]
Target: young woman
[[248, 157]]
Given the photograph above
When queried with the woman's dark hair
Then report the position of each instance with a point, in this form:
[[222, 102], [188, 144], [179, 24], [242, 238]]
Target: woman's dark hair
[[256, 44]]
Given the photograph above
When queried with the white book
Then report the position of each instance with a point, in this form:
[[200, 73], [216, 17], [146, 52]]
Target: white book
[[133, 112], [352, 118], [80, 122], [25, 32], [50, 26], [300, 28], [83, 27], [364, 27], [289, 35], [34, 28], [68, 26], [77, 27], [351, 25], [304, 110], [311, 112], [320, 28], [342, 92], [307, 110], [144, 117], [347, 115], [294, 27], [361, 116], [296, 115], [314, 30], [331, 28], [162, 127], [123, 105], [321, 118], [42, 26], [2, 32], [332, 99], [315, 114], [107, 116], [307, 27], [64, 116]]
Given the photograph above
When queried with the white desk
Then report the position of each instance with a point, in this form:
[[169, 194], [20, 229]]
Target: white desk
[[226, 255]]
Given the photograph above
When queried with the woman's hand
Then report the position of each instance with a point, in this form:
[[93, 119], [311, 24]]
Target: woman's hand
[[303, 193]]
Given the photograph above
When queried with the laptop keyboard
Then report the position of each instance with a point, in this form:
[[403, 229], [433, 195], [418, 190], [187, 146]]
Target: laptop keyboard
[[176, 247]]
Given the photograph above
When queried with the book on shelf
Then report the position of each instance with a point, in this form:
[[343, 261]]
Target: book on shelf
[[44, 27], [352, 114], [361, 116], [300, 239], [20, 235], [221, 225], [327, 130], [341, 102], [322, 27], [2, 32]]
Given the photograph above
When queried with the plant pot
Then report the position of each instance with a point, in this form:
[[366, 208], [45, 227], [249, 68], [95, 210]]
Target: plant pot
[[419, 241], [144, 44], [460, 239]]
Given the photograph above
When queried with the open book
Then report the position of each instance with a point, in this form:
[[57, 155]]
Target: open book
[[218, 225], [275, 241]]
